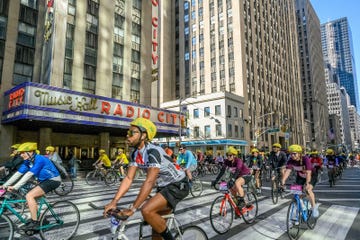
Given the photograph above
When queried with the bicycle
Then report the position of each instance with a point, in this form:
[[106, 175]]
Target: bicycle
[[188, 232], [59, 220], [196, 187], [276, 189], [95, 176], [223, 207], [66, 186], [299, 211]]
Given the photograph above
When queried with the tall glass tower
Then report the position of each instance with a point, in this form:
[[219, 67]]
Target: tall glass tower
[[339, 54]]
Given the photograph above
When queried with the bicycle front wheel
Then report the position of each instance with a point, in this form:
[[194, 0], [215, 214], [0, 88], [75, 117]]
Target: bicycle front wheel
[[221, 215], [60, 221], [193, 233], [6, 228], [197, 187], [93, 177], [110, 178], [66, 186], [252, 211], [274, 192], [293, 220]]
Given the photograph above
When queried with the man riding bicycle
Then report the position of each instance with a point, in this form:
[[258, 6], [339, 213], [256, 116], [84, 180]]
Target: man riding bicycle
[[103, 161], [43, 169], [187, 161], [121, 160], [302, 165], [277, 160], [171, 183]]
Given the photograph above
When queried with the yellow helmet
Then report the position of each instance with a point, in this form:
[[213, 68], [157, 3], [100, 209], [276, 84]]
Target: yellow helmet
[[254, 150], [121, 149], [329, 151], [15, 146], [27, 147], [232, 150], [277, 145], [145, 125], [50, 148], [314, 153], [295, 148], [101, 151]]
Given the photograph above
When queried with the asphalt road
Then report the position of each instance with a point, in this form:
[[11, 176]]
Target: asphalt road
[[339, 212]]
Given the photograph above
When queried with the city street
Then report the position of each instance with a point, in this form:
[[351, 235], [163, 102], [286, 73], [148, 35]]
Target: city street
[[339, 212]]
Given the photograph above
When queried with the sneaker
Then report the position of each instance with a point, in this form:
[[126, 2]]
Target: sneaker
[[31, 225], [315, 211]]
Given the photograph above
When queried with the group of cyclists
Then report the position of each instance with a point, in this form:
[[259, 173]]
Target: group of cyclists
[[170, 180]]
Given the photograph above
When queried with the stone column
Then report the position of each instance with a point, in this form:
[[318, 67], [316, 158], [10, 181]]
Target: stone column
[[45, 135], [104, 141]]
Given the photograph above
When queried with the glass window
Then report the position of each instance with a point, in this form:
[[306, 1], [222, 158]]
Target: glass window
[[218, 130], [196, 113], [229, 111], [135, 56], [137, 4], [229, 130], [196, 132], [236, 131], [207, 131], [236, 112], [206, 111], [217, 110]]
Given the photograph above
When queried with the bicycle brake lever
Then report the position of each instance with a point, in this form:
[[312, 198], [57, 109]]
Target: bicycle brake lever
[[118, 214]]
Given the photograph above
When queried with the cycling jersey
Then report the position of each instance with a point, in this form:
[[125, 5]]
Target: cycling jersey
[[105, 159], [300, 166], [154, 156], [255, 162], [186, 159], [331, 161], [237, 166], [278, 159], [316, 163], [122, 157], [42, 168]]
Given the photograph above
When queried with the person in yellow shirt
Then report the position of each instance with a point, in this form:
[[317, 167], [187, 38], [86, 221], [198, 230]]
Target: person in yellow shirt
[[103, 161], [122, 160]]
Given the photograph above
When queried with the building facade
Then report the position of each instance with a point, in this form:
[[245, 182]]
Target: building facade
[[247, 48], [82, 56], [338, 51], [312, 75]]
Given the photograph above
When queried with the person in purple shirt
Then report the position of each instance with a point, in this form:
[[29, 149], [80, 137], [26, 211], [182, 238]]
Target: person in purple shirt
[[240, 172], [303, 167]]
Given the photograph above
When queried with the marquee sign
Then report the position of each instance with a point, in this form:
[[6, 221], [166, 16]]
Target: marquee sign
[[46, 103]]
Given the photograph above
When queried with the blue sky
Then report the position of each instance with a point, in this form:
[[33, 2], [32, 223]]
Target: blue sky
[[328, 10]]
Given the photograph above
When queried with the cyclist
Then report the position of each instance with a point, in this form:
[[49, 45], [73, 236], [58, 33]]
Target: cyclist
[[255, 162], [302, 165], [122, 160], [187, 161], [43, 169], [331, 162], [172, 183], [317, 163], [277, 159], [240, 172], [103, 161], [55, 157], [11, 166]]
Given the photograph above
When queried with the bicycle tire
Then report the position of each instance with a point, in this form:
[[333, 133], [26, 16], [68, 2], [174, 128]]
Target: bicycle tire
[[66, 186], [110, 178], [19, 207], [197, 187], [274, 192], [250, 215], [69, 217], [293, 220], [221, 215], [193, 233], [6, 228], [92, 177], [215, 170]]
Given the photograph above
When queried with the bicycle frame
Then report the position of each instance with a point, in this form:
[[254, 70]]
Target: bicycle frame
[[6, 205], [227, 197], [303, 212], [121, 229]]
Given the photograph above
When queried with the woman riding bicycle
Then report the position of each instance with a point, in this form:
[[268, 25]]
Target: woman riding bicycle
[[43, 169], [172, 183], [302, 165]]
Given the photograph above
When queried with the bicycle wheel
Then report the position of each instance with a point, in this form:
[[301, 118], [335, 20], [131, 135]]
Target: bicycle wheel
[[197, 187], [293, 220], [19, 206], [221, 215], [252, 211], [193, 233], [6, 228], [66, 186], [215, 169], [311, 221], [110, 178], [60, 221], [93, 177], [274, 192]]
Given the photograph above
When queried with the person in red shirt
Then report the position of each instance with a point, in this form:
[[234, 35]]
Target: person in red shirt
[[317, 164]]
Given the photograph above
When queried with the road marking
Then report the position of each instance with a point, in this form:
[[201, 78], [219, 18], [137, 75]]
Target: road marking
[[336, 190], [339, 199], [333, 224]]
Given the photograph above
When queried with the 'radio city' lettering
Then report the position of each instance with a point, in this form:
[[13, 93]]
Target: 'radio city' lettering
[[16, 98]]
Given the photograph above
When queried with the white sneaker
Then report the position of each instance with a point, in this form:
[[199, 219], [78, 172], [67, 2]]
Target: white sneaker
[[315, 211]]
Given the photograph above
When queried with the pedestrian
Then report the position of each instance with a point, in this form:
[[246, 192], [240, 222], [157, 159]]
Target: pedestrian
[[74, 165]]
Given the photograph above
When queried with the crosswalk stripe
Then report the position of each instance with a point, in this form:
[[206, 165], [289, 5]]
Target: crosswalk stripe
[[333, 224]]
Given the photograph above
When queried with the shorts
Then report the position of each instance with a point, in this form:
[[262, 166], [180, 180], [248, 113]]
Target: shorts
[[302, 181], [49, 185], [175, 192], [192, 167], [247, 178]]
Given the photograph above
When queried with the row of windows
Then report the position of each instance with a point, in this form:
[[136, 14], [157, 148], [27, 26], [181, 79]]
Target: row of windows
[[207, 133], [217, 111]]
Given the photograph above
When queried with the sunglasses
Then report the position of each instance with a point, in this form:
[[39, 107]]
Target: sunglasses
[[230, 155], [294, 153], [180, 149], [131, 133]]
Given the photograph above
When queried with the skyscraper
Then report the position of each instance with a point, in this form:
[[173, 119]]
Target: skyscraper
[[338, 52]]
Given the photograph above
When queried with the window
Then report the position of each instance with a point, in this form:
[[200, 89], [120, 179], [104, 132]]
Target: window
[[229, 130], [196, 113], [229, 111], [236, 113], [236, 131], [217, 110], [218, 130], [207, 132], [196, 132], [137, 4], [206, 111], [135, 56]]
